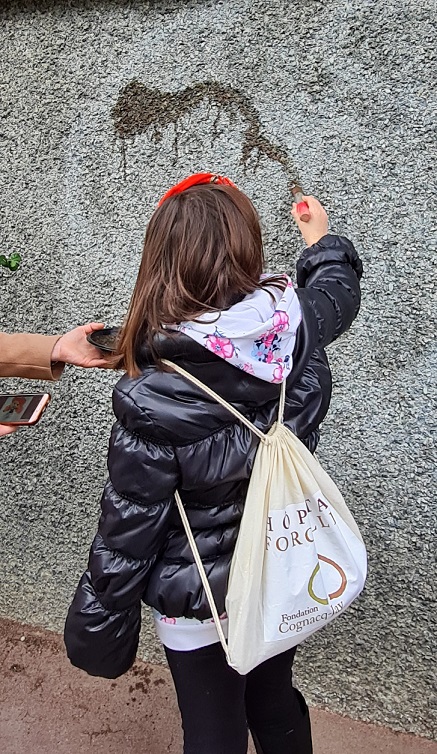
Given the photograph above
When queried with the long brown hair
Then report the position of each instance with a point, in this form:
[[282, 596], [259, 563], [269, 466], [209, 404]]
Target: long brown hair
[[203, 250]]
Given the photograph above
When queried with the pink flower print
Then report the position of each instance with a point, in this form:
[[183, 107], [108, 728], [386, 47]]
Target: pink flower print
[[221, 346], [268, 338], [278, 373], [164, 619], [248, 368], [280, 321]]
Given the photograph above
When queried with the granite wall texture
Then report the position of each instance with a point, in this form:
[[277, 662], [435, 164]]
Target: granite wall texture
[[104, 105]]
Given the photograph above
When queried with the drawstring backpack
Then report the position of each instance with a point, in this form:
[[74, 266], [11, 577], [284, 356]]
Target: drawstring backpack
[[299, 560]]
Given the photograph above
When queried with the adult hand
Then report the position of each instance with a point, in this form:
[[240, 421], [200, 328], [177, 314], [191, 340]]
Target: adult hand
[[73, 348], [5, 430], [317, 226]]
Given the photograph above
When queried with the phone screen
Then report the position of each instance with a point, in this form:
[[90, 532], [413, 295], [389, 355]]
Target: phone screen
[[19, 408]]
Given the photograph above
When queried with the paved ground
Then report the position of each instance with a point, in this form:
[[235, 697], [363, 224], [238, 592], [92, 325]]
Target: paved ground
[[49, 707]]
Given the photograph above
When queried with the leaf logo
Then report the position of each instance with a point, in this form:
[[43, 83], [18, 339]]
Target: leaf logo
[[333, 595]]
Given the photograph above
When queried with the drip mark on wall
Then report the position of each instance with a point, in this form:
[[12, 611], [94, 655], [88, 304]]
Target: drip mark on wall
[[139, 109]]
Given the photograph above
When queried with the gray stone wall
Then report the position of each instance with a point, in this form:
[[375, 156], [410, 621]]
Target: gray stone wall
[[104, 106]]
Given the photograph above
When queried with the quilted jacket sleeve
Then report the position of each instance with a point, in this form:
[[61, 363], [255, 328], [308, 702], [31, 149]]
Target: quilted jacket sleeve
[[103, 623], [328, 275]]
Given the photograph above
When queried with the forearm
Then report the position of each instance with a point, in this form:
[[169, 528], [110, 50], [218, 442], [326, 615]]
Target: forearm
[[100, 641], [130, 536], [328, 275], [331, 248], [29, 356]]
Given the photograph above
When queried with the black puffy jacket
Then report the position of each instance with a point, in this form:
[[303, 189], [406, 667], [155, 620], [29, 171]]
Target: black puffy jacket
[[170, 435]]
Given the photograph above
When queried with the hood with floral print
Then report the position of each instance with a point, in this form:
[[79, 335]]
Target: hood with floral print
[[257, 334]]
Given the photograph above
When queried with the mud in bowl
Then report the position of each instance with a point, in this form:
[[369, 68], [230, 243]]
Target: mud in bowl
[[105, 339]]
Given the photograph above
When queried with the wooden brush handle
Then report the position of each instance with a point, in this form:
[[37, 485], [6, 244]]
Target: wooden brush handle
[[302, 208]]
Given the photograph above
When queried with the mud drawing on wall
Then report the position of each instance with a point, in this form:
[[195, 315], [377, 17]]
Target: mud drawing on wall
[[140, 108]]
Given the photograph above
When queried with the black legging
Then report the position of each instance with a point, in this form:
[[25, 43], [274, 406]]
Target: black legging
[[218, 705]]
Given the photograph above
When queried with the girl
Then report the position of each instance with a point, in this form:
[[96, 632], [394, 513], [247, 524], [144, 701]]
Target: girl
[[201, 300]]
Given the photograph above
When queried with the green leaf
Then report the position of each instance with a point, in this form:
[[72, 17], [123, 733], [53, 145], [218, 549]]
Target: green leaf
[[12, 262]]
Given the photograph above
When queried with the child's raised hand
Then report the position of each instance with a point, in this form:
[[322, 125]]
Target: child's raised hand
[[317, 226]]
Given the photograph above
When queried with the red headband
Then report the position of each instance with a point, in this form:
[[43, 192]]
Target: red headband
[[195, 180]]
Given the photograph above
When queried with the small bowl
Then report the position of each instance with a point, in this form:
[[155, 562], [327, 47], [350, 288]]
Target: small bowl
[[104, 339]]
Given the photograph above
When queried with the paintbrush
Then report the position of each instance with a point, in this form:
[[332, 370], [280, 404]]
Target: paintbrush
[[302, 208]]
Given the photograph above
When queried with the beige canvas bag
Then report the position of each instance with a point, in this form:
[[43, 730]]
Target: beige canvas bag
[[299, 560]]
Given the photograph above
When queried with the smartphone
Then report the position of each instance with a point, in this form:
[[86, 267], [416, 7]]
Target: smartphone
[[21, 409]]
